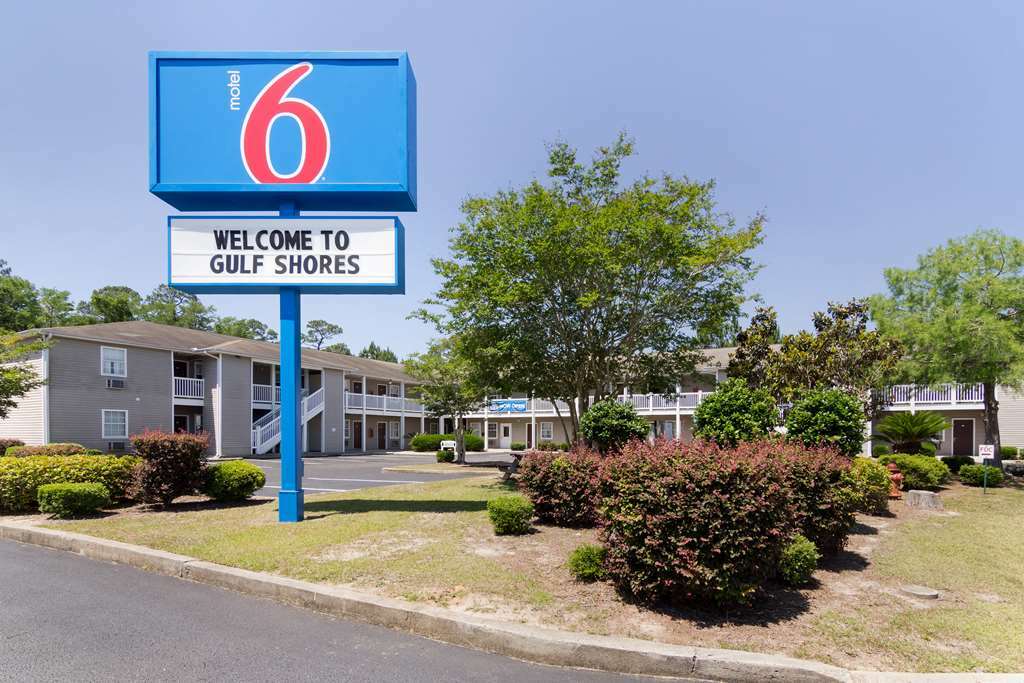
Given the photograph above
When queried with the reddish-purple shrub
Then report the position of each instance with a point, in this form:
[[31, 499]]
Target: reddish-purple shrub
[[172, 465], [694, 521], [562, 486], [824, 492]]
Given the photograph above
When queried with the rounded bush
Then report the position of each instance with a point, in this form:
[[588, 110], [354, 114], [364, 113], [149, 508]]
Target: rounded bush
[[880, 449], [609, 424], [1010, 452], [872, 483], [735, 413], [827, 417], [695, 521], [173, 465], [72, 500], [823, 492], [974, 475], [510, 515], [20, 478], [445, 456], [586, 563], [955, 462], [920, 472], [563, 487], [233, 480], [518, 446], [49, 449], [798, 561]]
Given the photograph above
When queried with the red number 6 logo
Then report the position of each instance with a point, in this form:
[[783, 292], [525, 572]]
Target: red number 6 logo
[[273, 102]]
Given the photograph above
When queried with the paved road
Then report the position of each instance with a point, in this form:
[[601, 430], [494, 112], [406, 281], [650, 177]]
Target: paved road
[[348, 472], [65, 617]]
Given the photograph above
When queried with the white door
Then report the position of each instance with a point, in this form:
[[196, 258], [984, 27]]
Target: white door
[[506, 436]]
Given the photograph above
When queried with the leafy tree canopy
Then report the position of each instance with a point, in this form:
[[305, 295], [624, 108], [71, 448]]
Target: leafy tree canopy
[[248, 328], [16, 379], [567, 288], [960, 316], [609, 424], [112, 304], [56, 308], [735, 412], [339, 347], [169, 306], [319, 332], [828, 417], [19, 304], [378, 353], [841, 353]]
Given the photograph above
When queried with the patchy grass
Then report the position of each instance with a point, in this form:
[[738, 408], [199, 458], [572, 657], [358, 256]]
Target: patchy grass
[[433, 543]]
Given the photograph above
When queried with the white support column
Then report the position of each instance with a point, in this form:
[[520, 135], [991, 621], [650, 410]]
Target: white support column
[[401, 424], [362, 425], [679, 417], [486, 432], [423, 424], [218, 407], [533, 422], [344, 407]]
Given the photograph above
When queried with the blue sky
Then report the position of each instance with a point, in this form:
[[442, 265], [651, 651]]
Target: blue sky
[[866, 131]]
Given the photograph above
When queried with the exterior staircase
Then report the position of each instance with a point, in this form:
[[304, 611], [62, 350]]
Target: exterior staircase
[[266, 430]]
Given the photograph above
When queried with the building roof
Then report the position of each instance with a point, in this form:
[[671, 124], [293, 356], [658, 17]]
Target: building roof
[[184, 340]]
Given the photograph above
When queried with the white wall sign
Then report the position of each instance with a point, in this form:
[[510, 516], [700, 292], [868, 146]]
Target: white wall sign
[[317, 254]]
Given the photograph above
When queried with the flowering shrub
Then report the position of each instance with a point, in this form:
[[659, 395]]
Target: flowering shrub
[[695, 521], [562, 486], [172, 465]]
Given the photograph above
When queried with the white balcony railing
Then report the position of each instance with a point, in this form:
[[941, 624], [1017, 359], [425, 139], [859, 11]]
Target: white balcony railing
[[644, 403], [903, 395], [265, 393], [386, 404], [188, 387]]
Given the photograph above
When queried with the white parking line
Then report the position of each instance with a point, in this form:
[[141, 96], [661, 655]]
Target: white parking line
[[307, 488], [372, 481]]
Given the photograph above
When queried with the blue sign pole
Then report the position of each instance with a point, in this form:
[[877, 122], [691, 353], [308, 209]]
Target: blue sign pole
[[290, 499]]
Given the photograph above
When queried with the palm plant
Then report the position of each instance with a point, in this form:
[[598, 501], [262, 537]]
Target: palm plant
[[911, 432]]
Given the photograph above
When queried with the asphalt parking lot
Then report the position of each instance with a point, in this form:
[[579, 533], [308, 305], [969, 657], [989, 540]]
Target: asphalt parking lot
[[332, 474]]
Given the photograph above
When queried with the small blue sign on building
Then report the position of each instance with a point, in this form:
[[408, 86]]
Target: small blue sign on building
[[244, 131], [509, 405]]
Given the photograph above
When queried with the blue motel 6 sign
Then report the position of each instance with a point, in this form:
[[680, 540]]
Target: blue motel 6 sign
[[249, 130], [286, 132]]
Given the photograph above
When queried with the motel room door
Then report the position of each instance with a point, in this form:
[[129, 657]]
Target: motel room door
[[505, 440], [963, 436], [382, 436], [357, 434]]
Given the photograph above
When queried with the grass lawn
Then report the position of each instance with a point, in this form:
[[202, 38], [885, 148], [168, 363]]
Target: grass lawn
[[433, 543]]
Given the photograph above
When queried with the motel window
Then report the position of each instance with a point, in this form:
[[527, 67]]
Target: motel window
[[492, 430], [393, 428], [547, 433], [348, 430], [357, 387], [115, 424], [197, 369], [475, 428], [432, 427], [113, 361]]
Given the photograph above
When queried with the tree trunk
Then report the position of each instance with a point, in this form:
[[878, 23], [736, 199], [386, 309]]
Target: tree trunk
[[460, 441], [991, 420]]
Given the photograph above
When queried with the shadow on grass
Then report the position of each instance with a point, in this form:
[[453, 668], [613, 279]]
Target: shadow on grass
[[356, 505], [775, 604]]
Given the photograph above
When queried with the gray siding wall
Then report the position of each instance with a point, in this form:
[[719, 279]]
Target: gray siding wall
[[1011, 417], [78, 392], [333, 415], [26, 420], [236, 408]]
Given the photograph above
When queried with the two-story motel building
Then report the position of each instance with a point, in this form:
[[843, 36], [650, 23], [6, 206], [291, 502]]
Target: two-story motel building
[[106, 382]]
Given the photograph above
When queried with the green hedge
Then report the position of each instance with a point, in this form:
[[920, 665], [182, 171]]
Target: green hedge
[[233, 480], [445, 456], [955, 462], [510, 515], [798, 561], [974, 475], [919, 471], [71, 500], [872, 483], [20, 478], [50, 449], [424, 443]]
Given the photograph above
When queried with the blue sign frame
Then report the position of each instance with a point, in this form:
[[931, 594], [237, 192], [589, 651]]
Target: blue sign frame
[[369, 104], [397, 287]]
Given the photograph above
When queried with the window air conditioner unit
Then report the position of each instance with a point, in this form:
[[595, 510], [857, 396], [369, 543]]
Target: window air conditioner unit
[[115, 383], [115, 446]]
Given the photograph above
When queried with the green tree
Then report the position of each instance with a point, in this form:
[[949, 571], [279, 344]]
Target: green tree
[[735, 412], [448, 387], [828, 417], [56, 307], [339, 347], [911, 433], [19, 304], [247, 328], [16, 379], [960, 316], [319, 332], [111, 304], [840, 353], [568, 288], [5, 268], [169, 306], [609, 424], [378, 353]]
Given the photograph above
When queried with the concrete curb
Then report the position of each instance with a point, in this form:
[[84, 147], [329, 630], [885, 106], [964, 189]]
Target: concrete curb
[[530, 643]]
